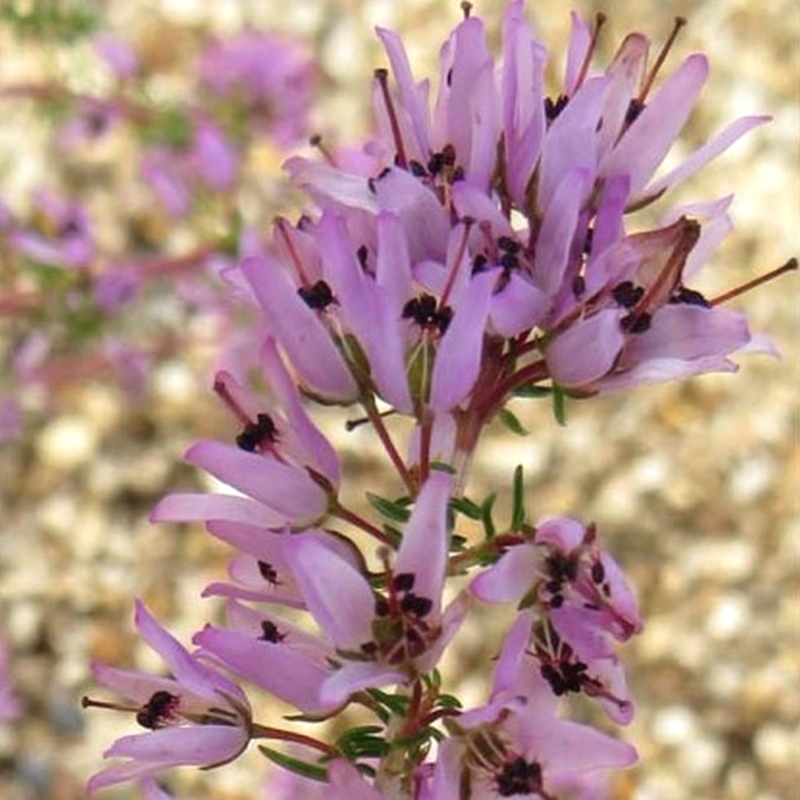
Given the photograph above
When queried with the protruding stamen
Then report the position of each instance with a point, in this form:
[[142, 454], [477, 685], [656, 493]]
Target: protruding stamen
[[224, 393], [466, 8], [282, 227], [88, 702], [382, 76], [789, 266], [316, 142], [459, 260], [599, 21], [651, 76]]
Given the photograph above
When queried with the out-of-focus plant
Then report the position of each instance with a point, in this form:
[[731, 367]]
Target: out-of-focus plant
[[145, 193]]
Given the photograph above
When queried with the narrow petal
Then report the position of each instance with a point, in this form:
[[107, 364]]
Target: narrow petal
[[643, 146], [355, 675], [709, 151], [189, 507], [426, 539], [299, 330], [587, 350], [458, 357], [285, 488], [322, 452], [337, 594], [188, 671], [290, 675]]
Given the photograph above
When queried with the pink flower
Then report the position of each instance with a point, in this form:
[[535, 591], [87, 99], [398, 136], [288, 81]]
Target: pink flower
[[583, 600], [281, 467], [384, 639], [195, 716], [272, 78], [515, 744], [60, 236]]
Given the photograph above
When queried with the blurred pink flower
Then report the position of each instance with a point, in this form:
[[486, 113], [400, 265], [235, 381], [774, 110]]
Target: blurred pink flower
[[273, 79]]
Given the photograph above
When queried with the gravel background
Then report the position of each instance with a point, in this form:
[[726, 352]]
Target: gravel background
[[694, 487]]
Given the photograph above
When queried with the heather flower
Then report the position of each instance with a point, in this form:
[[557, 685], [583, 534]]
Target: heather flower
[[195, 715], [207, 161], [389, 638], [582, 599], [516, 744], [59, 236], [282, 468], [271, 78]]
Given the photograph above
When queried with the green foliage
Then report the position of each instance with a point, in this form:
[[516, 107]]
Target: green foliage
[[363, 741], [394, 510], [313, 771], [559, 405], [518, 501], [510, 420], [54, 20]]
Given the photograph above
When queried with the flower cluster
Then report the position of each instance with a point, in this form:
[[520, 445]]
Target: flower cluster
[[482, 248]]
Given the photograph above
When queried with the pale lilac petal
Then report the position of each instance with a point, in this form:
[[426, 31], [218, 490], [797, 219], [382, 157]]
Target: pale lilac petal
[[426, 539], [188, 507], [355, 675], [625, 72], [643, 146], [349, 783], [556, 746], [369, 312], [393, 262], [338, 595], [515, 644], [580, 41], [522, 82], [186, 669], [426, 222], [458, 357], [659, 370], [688, 332], [326, 183], [198, 745], [554, 244], [290, 675], [709, 151], [324, 457], [299, 330], [518, 306], [587, 350], [563, 533], [571, 141], [508, 579], [287, 489], [413, 100]]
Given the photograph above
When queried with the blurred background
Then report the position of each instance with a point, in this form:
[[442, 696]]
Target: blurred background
[[127, 182]]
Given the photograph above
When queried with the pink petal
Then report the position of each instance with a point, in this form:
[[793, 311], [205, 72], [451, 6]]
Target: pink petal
[[298, 328], [643, 146], [458, 357], [290, 675], [508, 579], [187, 507], [426, 539], [337, 594], [587, 350], [287, 489]]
